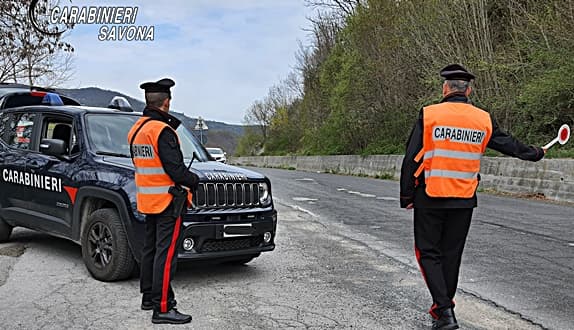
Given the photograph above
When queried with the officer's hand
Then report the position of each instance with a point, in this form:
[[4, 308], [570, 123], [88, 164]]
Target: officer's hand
[[410, 206]]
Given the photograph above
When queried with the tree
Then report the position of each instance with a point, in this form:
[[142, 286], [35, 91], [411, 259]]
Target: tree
[[260, 114], [372, 64], [28, 55], [250, 144], [342, 8]]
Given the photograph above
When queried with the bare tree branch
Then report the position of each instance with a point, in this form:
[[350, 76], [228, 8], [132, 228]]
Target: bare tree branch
[[27, 55]]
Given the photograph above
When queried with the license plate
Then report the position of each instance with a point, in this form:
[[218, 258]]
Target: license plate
[[233, 218], [238, 230]]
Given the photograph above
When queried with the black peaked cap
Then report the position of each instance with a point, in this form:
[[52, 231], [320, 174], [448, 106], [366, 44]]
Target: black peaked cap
[[456, 72], [160, 86]]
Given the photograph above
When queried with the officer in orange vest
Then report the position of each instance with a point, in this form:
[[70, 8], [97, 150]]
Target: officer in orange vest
[[159, 174], [439, 177]]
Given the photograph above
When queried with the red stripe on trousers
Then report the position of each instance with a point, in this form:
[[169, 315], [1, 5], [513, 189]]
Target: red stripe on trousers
[[418, 255], [433, 313], [432, 310], [167, 266]]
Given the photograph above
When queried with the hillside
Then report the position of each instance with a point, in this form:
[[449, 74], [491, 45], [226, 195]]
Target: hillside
[[220, 134], [371, 67]]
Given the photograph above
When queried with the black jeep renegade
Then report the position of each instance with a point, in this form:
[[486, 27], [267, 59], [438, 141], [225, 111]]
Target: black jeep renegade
[[67, 171]]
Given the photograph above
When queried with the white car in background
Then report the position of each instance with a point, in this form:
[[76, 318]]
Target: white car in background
[[218, 154]]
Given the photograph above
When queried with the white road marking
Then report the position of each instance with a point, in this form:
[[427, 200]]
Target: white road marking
[[304, 199], [358, 193], [305, 179], [361, 194], [388, 198], [570, 244], [296, 208]]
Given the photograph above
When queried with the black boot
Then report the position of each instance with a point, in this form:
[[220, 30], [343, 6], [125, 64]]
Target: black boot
[[147, 305], [447, 321], [171, 317]]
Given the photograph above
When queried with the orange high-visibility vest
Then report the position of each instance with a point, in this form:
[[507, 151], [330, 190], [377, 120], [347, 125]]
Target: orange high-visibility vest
[[455, 136], [152, 183]]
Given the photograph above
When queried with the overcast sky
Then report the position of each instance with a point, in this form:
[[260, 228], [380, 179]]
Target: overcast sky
[[222, 54]]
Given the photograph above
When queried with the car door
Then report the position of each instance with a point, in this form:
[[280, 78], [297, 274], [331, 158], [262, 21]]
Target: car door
[[16, 133], [56, 197]]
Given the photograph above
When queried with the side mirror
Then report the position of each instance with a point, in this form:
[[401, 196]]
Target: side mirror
[[53, 147]]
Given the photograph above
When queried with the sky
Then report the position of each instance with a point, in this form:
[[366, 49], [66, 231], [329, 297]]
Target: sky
[[222, 54]]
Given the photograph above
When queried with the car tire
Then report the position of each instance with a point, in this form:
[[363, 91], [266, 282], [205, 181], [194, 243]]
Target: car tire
[[242, 260], [105, 248], [5, 231]]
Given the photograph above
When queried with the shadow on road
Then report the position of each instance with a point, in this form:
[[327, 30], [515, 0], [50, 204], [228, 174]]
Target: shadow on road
[[216, 270], [66, 251], [57, 246]]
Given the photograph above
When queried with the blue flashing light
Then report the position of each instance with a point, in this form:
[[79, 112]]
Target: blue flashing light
[[52, 99]]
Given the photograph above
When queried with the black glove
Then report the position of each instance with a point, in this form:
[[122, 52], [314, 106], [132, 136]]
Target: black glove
[[178, 201]]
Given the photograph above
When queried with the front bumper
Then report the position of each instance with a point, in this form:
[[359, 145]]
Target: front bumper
[[230, 235]]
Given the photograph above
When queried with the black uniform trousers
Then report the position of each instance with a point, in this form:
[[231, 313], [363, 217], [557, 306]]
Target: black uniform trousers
[[159, 260], [440, 235]]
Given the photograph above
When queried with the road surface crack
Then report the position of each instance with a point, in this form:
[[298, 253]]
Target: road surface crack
[[523, 231], [495, 304], [477, 296]]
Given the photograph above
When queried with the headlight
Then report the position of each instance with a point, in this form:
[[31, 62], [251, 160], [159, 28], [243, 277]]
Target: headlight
[[264, 195]]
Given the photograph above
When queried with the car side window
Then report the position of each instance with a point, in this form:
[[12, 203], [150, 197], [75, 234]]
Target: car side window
[[62, 129], [4, 126], [20, 130]]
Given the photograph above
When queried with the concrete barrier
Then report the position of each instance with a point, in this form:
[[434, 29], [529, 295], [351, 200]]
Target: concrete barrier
[[553, 178]]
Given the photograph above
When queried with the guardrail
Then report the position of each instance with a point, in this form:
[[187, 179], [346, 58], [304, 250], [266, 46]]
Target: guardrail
[[552, 178]]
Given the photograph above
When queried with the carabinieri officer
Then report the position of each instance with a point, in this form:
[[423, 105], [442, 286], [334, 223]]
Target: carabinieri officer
[[160, 173], [439, 178]]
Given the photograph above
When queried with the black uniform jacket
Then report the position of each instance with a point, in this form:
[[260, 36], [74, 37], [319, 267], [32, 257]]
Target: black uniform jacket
[[169, 150], [499, 141]]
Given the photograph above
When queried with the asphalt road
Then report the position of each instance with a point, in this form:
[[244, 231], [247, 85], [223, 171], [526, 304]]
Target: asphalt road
[[519, 255], [344, 260]]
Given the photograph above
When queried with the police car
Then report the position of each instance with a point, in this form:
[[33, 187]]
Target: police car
[[66, 170], [17, 95]]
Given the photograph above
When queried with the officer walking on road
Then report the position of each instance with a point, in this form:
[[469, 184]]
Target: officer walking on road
[[160, 173], [439, 178]]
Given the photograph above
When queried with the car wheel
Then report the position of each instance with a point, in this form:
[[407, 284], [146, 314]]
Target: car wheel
[[105, 248], [5, 231], [242, 260]]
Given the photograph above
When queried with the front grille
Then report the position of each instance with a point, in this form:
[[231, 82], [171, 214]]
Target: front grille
[[230, 244], [225, 195]]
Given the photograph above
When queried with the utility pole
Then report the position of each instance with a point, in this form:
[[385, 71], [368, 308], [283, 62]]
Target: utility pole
[[200, 125]]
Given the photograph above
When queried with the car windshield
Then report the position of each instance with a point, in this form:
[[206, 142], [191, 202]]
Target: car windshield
[[215, 151], [108, 135]]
